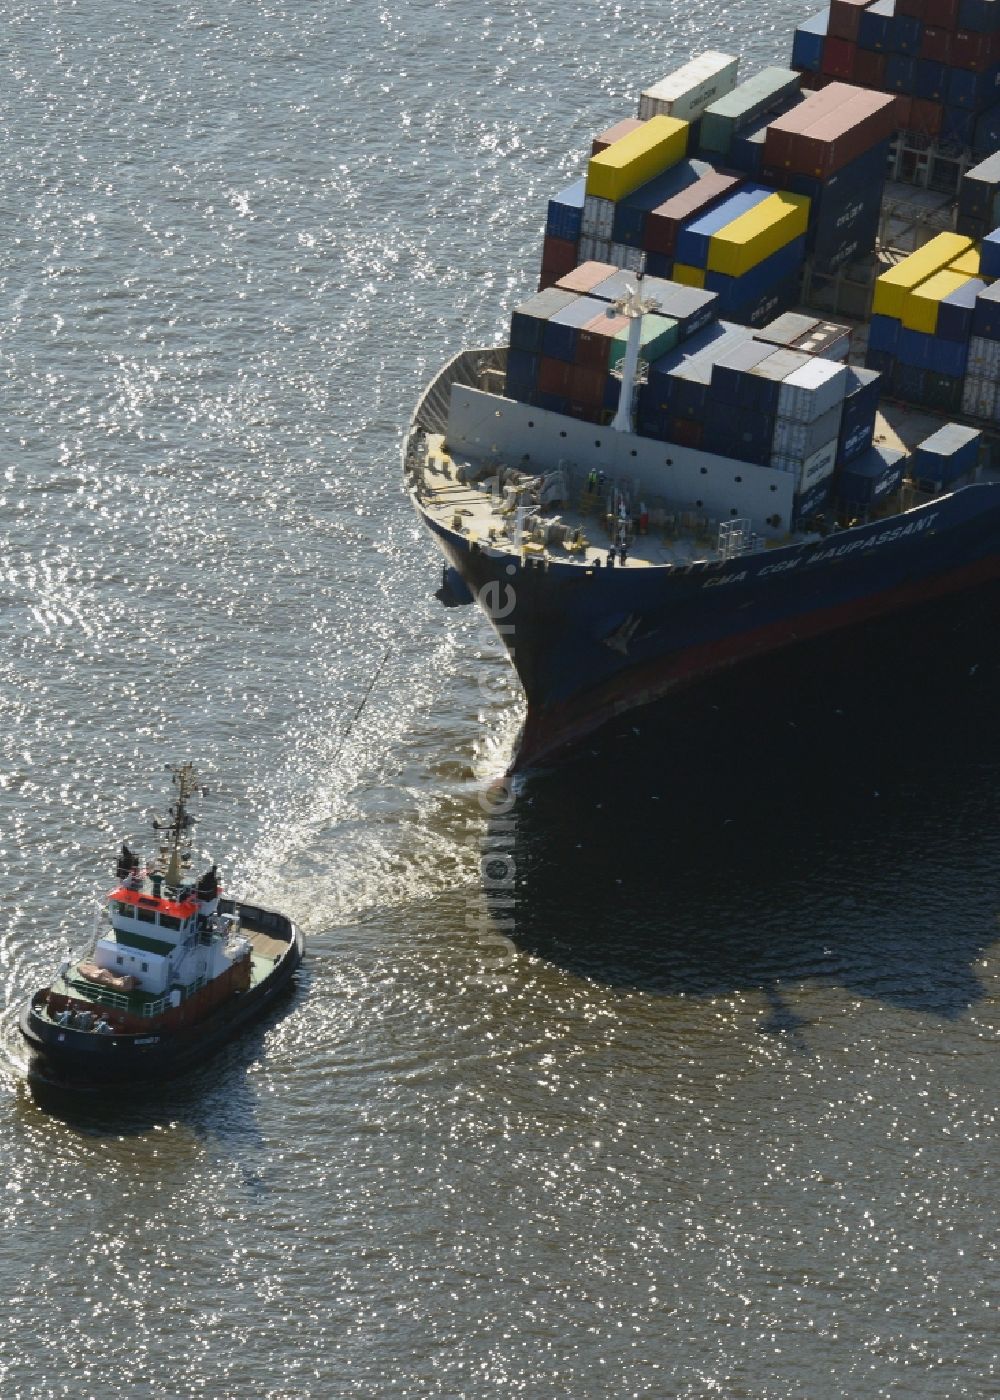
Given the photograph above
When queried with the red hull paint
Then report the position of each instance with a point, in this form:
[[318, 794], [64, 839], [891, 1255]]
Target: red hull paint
[[548, 731]]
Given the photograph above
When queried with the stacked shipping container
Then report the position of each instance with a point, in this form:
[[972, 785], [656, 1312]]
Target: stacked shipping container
[[941, 57], [935, 331], [820, 160]]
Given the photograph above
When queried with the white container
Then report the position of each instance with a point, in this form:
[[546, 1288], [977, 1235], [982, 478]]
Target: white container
[[984, 356], [598, 217], [628, 259], [812, 390], [818, 466], [594, 250], [979, 396], [686, 93], [801, 440]]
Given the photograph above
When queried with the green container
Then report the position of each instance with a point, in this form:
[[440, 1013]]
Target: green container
[[659, 334], [763, 93]]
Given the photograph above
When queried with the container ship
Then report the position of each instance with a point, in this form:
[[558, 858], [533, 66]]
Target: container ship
[[755, 398]]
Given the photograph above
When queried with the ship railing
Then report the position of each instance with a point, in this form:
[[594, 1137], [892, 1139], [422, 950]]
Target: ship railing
[[106, 997]]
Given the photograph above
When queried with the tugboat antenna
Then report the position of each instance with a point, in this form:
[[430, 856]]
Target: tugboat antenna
[[180, 821]]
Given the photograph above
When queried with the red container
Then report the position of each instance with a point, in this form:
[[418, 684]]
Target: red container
[[586, 277], [586, 386], [974, 52], [554, 376], [593, 343], [916, 9], [662, 223], [558, 258], [814, 82], [845, 17], [829, 130], [904, 113], [925, 117], [838, 58], [687, 431], [614, 133], [869, 68], [936, 45], [941, 14], [586, 411]]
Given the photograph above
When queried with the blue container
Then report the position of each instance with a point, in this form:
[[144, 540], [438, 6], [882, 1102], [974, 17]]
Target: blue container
[[931, 82], [857, 422], [732, 384], [915, 348], [875, 27], [986, 317], [693, 308], [565, 215], [831, 194], [972, 228], [987, 138], [812, 501], [807, 42], [948, 357], [955, 312], [554, 403], [873, 476], [981, 16], [882, 361], [973, 90], [746, 150], [681, 380], [522, 375], [632, 211], [659, 264], [883, 334], [900, 73], [851, 231], [741, 291], [730, 437], [909, 382], [951, 452], [907, 34], [978, 189], [778, 298], [527, 322], [958, 125], [989, 255], [694, 238], [562, 328]]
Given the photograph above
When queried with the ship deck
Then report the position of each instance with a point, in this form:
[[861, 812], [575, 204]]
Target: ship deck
[[462, 493], [265, 953]]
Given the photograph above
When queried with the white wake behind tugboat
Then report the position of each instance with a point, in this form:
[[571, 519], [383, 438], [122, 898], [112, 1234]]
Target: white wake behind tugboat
[[176, 971]]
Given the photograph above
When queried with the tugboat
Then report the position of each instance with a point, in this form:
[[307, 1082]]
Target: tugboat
[[173, 975]]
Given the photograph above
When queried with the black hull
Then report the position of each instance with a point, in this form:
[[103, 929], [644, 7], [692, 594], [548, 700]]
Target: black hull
[[83, 1061]]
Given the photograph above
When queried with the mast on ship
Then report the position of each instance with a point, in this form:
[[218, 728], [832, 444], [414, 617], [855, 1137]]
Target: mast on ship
[[631, 369], [176, 850]]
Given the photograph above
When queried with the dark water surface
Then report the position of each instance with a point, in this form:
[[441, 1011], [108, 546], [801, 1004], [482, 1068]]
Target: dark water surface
[[721, 1119]]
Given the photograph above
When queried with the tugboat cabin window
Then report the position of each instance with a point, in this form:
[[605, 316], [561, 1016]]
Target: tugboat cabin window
[[125, 909], [120, 960], [145, 967], [145, 916], [168, 921]]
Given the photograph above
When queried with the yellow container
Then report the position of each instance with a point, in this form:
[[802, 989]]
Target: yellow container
[[755, 235], [688, 276], [640, 156], [920, 311], [967, 263], [894, 286]]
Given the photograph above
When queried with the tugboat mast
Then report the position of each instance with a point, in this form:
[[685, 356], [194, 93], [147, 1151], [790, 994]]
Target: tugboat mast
[[176, 849]]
